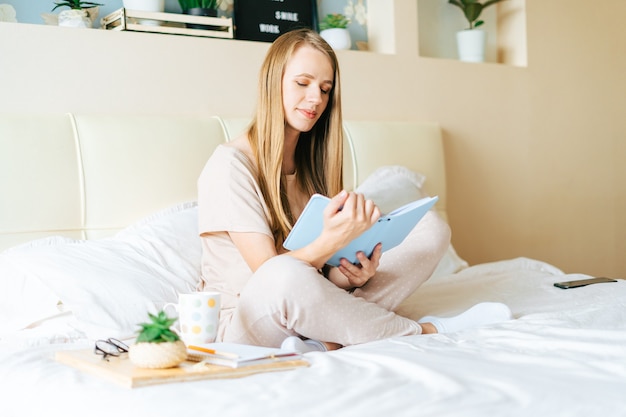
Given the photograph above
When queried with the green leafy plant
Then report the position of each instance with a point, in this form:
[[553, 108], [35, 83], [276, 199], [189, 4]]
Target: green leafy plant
[[334, 21], [76, 4], [157, 330], [472, 10], [204, 4]]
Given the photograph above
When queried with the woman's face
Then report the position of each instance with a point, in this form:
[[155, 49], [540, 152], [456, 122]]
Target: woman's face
[[307, 84]]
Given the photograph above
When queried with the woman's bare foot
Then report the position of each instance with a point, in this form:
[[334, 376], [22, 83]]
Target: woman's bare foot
[[428, 328], [332, 346]]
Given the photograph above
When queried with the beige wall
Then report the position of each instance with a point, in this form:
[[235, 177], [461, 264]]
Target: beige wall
[[535, 154]]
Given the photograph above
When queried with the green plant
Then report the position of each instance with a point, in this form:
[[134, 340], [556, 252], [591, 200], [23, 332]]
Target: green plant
[[157, 330], [76, 4], [472, 10], [204, 4], [334, 21]]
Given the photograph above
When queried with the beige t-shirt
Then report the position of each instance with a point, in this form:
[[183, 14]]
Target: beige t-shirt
[[230, 200]]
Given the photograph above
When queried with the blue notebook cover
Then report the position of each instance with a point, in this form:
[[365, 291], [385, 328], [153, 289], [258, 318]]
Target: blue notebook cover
[[390, 229]]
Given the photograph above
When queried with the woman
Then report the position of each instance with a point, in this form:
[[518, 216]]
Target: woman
[[253, 189]]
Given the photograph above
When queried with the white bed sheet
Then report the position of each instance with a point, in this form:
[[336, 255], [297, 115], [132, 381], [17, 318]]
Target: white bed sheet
[[564, 354]]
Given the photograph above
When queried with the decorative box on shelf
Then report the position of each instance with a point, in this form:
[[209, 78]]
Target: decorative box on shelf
[[171, 23]]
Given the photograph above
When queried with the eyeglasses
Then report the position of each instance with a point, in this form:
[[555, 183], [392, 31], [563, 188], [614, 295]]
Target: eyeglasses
[[110, 347]]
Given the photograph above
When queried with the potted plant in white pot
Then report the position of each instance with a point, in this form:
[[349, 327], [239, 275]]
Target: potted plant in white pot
[[334, 30], [200, 8], [157, 346], [81, 14], [472, 42]]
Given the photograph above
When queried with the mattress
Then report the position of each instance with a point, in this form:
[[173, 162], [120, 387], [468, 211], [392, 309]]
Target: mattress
[[563, 354]]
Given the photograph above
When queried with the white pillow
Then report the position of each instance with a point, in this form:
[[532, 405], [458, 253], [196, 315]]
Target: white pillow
[[24, 299], [393, 186], [450, 263], [111, 284]]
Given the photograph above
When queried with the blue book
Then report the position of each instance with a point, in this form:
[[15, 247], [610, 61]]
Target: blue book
[[390, 229]]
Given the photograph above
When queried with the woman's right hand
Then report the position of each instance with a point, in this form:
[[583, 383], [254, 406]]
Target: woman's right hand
[[346, 217]]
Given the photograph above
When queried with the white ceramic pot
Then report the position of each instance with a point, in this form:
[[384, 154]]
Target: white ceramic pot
[[74, 18], [158, 355], [7, 13], [337, 38], [471, 45], [146, 6]]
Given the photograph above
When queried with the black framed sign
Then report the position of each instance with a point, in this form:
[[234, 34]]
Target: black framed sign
[[265, 20]]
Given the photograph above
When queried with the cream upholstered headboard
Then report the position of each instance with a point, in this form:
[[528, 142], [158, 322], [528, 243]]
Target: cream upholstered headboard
[[88, 176]]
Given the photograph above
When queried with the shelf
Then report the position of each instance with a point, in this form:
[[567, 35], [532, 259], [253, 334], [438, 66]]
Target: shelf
[[169, 23], [505, 25]]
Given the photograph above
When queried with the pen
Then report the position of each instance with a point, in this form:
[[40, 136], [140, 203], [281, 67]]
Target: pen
[[212, 351]]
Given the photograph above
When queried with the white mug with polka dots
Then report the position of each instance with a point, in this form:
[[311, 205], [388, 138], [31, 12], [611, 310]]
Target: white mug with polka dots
[[198, 316]]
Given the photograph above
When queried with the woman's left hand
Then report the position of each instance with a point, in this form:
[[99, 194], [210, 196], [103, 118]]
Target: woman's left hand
[[355, 276]]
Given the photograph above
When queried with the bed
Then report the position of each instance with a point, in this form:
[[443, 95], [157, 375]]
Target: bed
[[97, 226]]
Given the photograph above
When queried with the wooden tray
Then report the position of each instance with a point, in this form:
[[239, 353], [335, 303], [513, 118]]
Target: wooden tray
[[123, 372], [170, 23]]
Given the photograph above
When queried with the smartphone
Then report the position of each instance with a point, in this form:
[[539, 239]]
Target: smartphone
[[582, 282]]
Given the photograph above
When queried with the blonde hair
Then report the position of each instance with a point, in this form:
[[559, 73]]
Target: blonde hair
[[319, 152]]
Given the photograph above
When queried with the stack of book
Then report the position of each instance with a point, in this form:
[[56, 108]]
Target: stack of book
[[236, 355]]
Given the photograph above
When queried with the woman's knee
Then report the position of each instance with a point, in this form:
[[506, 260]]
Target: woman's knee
[[432, 233], [442, 234]]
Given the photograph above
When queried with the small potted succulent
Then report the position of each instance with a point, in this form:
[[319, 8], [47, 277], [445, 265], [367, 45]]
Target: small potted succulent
[[334, 29], [157, 346], [472, 42], [81, 13]]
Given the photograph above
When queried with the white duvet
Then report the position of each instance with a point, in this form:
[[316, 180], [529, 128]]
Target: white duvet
[[564, 354]]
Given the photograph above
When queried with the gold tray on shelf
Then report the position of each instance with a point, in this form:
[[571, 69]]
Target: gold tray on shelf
[[170, 23]]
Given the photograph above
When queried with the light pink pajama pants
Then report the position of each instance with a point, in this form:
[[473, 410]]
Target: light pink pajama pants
[[287, 297]]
